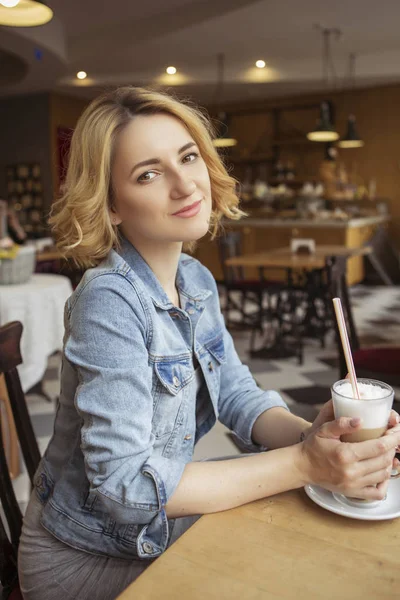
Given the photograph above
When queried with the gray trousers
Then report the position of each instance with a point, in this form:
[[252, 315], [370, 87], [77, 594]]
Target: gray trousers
[[51, 570]]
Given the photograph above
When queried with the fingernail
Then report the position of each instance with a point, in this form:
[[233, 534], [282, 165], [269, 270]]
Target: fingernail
[[355, 421], [397, 419]]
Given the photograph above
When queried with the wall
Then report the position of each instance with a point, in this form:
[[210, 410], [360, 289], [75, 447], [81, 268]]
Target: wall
[[64, 112], [24, 137], [378, 119]]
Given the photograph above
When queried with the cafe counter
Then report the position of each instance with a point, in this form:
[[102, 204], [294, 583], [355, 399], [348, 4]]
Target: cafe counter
[[260, 233]]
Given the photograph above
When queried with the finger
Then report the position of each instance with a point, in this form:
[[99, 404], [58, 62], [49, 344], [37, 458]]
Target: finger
[[334, 429], [371, 492], [377, 477], [375, 448], [394, 418], [372, 465], [394, 429], [327, 413]]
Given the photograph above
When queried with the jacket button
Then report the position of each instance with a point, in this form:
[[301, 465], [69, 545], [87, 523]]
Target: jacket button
[[147, 548], [175, 381], [191, 311], [210, 366], [188, 437]]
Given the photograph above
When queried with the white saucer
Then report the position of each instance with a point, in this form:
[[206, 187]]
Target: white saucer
[[386, 509]]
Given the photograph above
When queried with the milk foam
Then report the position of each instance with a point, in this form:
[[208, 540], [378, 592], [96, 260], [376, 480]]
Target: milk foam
[[374, 414], [367, 391]]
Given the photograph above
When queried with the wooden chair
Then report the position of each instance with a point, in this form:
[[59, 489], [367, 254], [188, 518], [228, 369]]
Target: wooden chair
[[384, 260], [375, 362], [10, 532], [10, 358]]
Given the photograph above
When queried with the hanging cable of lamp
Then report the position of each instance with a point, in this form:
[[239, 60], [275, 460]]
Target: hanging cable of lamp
[[24, 13], [352, 138], [324, 130], [224, 140]]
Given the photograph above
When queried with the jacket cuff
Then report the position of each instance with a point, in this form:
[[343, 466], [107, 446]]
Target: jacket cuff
[[244, 430]]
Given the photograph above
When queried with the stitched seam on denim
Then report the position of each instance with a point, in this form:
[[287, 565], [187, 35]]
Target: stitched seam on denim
[[138, 505]]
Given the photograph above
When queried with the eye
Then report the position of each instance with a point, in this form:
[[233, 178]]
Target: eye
[[190, 157], [148, 176]]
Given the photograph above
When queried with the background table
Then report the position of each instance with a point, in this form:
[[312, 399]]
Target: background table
[[284, 258], [283, 547], [39, 305]]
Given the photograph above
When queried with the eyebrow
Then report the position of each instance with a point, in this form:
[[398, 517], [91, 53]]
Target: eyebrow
[[156, 161]]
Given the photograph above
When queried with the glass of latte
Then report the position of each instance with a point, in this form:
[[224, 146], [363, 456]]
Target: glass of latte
[[373, 407]]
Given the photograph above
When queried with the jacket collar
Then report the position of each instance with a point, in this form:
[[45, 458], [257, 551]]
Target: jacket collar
[[184, 278]]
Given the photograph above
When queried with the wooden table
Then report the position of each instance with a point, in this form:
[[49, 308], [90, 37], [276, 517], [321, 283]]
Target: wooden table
[[283, 547], [284, 258]]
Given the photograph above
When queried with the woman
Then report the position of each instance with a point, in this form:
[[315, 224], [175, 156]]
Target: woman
[[148, 365]]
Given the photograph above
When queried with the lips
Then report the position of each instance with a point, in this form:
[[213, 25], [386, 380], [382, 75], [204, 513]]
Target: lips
[[188, 209]]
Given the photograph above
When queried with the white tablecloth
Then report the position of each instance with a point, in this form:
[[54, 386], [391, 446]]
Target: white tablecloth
[[39, 305]]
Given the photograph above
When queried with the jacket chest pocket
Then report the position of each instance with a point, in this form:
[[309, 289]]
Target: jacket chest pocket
[[170, 391]]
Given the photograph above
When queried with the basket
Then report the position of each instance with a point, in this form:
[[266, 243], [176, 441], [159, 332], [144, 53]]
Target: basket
[[18, 269]]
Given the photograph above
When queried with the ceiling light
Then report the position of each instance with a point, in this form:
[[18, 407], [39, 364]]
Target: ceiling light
[[351, 139], [9, 3], [324, 130], [24, 13], [260, 64], [171, 70], [81, 75]]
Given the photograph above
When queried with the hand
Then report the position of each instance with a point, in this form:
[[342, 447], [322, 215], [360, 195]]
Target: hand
[[360, 470], [325, 415]]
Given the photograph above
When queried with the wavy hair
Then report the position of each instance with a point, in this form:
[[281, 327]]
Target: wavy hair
[[80, 218]]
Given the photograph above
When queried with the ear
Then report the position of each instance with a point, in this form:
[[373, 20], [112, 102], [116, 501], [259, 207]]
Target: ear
[[114, 217]]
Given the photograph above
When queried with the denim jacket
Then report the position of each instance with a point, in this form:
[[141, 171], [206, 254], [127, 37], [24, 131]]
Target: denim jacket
[[128, 418]]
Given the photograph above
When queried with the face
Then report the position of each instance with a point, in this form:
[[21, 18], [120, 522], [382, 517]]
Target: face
[[162, 190]]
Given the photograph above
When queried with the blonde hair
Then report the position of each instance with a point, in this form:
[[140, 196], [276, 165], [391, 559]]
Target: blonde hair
[[80, 219]]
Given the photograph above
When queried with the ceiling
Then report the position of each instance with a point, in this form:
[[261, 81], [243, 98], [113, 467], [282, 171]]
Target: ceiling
[[130, 41]]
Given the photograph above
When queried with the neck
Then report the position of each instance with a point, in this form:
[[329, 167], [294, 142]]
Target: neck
[[163, 259]]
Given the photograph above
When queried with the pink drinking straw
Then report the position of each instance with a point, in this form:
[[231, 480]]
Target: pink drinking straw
[[337, 305]]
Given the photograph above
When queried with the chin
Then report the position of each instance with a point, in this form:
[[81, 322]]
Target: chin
[[195, 232]]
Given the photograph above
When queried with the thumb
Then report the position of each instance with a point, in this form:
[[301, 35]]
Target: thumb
[[334, 429]]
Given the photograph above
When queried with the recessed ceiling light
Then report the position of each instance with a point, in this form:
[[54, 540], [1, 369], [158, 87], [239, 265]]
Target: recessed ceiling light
[[171, 70], [260, 64], [81, 75]]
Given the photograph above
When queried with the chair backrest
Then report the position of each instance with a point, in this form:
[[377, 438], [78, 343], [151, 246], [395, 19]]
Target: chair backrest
[[230, 245], [338, 289], [384, 258], [10, 358], [11, 530]]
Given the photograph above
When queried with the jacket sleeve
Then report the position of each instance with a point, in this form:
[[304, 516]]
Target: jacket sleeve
[[241, 401], [106, 343]]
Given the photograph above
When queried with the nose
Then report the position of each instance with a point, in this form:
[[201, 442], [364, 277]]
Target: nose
[[182, 186]]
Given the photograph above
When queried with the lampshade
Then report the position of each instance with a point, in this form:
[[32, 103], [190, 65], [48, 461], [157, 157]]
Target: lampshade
[[351, 139], [224, 140], [324, 131], [26, 13]]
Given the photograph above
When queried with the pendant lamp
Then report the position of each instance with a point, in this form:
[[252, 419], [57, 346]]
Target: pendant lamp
[[24, 13], [324, 130], [351, 139], [224, 140]]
